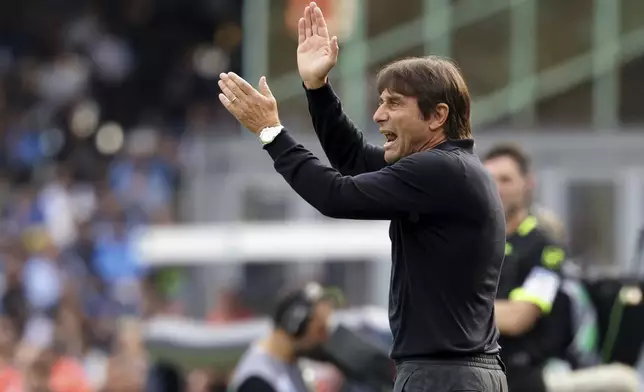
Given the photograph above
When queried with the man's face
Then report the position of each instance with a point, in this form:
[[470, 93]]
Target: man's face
[[318, 329], [513, 185], [403, 125]]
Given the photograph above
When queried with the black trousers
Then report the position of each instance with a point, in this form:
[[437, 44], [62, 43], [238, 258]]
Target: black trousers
[[476, 374], [526, 379]]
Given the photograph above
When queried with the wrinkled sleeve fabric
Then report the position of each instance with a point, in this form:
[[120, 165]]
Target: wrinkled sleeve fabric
[[342, 142], [418, 184]]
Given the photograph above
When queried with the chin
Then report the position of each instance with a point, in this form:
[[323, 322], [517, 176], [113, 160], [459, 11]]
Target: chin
[[391, 157]]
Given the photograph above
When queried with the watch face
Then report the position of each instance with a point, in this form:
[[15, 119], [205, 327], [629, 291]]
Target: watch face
[[267, 137], [269, 134]]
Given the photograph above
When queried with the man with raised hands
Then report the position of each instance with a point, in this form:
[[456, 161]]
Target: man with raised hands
[[447, 223]]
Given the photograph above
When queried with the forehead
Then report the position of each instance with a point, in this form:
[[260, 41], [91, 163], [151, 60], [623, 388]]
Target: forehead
[[387, 94], [502, 165]]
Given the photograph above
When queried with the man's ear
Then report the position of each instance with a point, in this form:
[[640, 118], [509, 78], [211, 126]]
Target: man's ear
[[438, 117]]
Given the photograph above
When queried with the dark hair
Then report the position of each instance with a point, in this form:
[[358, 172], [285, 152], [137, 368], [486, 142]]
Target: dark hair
[[512, 151], [291, 302], [431, 80], [285, 301]]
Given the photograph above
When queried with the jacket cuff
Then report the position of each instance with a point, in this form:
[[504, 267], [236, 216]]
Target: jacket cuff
[[281, 144], [324, 93]]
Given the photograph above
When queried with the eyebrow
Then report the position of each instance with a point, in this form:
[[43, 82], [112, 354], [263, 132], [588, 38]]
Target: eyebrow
[[390, 98]]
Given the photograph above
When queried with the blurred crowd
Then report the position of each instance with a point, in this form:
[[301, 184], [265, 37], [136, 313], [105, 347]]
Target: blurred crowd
[[98, 103]]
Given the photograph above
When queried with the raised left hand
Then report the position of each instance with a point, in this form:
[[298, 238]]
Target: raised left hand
[[254, 109]]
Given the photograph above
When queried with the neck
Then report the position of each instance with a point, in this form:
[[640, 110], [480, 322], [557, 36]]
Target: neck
[[280, 346], [513, 221], [432, 143]]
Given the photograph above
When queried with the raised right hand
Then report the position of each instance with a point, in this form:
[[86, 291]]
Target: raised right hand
[[316, 52]]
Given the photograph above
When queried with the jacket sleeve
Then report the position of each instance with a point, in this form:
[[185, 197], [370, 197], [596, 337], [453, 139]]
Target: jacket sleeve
[[416, 184], [341, 141], [542, 284]]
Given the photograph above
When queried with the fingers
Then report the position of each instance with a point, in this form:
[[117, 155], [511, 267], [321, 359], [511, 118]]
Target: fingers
[[243, 85], [301, 31], [334, 47], [227, 91], [263, 87], [236, 91], [321, 28], [225, 101], [308, 32], [237, 85], [314, 24]]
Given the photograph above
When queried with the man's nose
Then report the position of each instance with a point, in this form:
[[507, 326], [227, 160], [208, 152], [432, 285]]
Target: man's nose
[[380, 115]]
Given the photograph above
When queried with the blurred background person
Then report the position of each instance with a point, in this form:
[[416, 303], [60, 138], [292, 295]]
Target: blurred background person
[[531, 277], [301, 322], [562, 326]]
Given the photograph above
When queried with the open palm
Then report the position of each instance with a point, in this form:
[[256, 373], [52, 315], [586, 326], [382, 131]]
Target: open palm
[[316, 52]]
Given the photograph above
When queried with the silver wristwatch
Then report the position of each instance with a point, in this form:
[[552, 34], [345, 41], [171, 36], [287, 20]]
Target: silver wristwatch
[[267, 135]]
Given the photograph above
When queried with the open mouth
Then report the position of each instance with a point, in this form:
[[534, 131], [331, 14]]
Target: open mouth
[[390, 137]]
